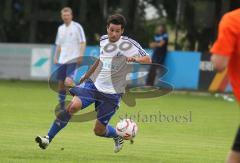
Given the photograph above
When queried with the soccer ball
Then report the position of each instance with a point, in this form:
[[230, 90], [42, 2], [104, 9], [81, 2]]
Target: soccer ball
[[127, 129]]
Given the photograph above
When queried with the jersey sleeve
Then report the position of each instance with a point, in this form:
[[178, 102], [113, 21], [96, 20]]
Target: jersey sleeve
[[136, 49], [81, 34], [226, 40]]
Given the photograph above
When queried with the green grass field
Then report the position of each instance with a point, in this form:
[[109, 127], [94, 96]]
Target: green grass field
[[26, 110]]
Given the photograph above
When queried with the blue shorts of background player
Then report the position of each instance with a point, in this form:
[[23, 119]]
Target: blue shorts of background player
[[66, 70], [65, 76]]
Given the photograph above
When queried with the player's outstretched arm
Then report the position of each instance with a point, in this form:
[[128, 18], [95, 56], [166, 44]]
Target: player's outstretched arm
[[90, 71], [143, 60]]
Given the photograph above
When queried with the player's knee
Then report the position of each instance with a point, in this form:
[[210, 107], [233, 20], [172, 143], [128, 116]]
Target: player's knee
[[73, 109], [99, 131], [74, 106]]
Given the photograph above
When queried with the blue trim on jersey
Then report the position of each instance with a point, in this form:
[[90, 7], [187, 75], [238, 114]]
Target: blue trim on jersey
[[136, 44], [104, 37]]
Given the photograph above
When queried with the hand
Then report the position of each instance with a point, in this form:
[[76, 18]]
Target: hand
[[131, 59]]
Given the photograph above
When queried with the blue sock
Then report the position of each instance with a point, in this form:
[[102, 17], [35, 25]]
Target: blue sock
[[110, 132], [60, 122], [62, 97]]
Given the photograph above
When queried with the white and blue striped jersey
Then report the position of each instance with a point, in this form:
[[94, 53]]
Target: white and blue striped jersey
[[110, 75], [69, 39]]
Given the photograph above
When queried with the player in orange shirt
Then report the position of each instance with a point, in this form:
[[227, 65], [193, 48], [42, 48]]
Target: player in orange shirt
[[226, 54]]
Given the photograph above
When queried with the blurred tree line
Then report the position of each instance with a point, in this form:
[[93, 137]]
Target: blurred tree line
[[192, 23]]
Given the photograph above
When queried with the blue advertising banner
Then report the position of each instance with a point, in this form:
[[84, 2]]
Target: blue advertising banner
[[183, 69]]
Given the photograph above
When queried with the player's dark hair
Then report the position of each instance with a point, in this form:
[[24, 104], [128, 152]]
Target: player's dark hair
[[117, 19]]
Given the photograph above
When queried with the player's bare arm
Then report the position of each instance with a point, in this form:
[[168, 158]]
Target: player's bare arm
[[220, 62], [142, 60], [90, 71], [57, 53], [82, 50]]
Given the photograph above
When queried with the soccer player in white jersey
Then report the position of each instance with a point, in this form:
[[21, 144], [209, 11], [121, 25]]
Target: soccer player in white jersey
[[70, 47], [104, 83]]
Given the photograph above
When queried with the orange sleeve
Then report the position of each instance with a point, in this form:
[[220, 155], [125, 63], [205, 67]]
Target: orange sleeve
[[226, 40]]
